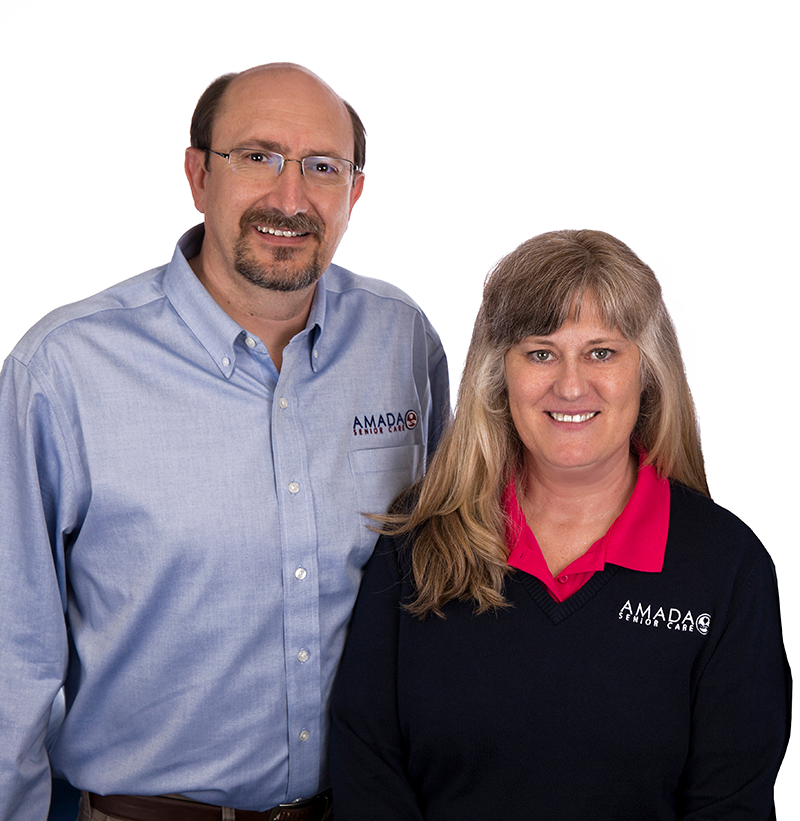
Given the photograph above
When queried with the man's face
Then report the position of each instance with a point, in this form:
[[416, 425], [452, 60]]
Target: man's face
[[280, 234]]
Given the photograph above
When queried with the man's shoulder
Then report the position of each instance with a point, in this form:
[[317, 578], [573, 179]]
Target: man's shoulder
[[130, 294], [339, 280]]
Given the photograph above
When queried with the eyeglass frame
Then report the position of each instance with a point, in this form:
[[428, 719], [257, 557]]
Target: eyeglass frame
[[356, 169]]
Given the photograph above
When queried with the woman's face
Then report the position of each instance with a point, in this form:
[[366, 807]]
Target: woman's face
[[574, 396]]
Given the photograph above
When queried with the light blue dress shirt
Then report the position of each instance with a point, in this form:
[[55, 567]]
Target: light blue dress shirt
[[182, 539]]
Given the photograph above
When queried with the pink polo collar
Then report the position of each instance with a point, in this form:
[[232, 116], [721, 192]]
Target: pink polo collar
[[637, 539]]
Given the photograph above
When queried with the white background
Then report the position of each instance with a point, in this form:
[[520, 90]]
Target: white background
[[673, 126]]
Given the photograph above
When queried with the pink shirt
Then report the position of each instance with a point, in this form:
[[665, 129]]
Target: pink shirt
[[637, 539]]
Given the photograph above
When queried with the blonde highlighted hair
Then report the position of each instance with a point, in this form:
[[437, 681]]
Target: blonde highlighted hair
[[458, 525]]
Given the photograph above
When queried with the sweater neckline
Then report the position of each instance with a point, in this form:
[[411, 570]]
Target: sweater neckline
[[558, 611]]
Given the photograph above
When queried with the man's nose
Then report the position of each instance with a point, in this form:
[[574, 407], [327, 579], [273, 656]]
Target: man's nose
[[289, 189]]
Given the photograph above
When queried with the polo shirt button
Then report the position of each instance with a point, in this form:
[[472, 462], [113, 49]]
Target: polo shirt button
[[563, 579], [294, 487]]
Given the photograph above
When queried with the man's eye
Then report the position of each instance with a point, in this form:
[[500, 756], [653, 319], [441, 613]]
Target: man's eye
[[325, 168], [262, 158]]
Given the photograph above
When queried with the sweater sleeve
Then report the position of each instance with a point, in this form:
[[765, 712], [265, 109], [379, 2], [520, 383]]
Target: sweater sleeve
[[740, 711], [368, 757]]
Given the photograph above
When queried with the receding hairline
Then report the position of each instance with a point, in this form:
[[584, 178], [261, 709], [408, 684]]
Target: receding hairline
[[284, 68], [287, 69]]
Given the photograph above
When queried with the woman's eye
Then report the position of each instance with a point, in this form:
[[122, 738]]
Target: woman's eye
[[540, 356], [602, 353]]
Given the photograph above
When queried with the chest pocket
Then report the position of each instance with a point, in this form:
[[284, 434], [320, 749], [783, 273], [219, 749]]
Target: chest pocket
[[379, 474]]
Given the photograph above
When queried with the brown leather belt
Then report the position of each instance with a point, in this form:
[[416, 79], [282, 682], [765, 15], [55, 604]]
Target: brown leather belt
[[163, 808]]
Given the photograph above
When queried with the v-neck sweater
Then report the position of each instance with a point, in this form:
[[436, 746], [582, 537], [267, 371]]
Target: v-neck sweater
[[642, 696]]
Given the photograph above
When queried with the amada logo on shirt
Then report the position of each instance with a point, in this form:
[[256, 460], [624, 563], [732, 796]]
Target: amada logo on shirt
[[386, 422], [670, 618]]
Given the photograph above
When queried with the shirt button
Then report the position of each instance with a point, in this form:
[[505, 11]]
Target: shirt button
[[303, 655], [304, 735], [225, 362], [316, 353], [300, 573], [250, 342], [563, 579], [294, 487], [283, 402]]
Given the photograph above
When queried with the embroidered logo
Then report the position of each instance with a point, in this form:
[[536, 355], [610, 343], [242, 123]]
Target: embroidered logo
[[386, 422], [671, 618], [703, 623]]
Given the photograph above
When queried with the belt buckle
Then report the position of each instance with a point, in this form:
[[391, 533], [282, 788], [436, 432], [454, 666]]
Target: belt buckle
[[301, 810]]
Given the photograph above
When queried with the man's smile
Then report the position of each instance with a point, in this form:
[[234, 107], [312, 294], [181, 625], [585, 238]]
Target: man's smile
[[278, 233]]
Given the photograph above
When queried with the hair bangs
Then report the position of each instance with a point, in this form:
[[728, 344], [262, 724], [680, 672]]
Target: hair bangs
[[522, 300]]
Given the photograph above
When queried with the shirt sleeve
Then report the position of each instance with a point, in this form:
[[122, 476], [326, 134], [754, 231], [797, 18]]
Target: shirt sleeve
[[33, 635], [368, 757], [440, 395], [741, 709]]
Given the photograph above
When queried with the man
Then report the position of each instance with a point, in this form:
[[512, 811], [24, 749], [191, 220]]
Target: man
[[185, 460]]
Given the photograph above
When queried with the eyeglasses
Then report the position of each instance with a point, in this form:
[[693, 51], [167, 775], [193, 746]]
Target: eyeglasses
[[256, 164]]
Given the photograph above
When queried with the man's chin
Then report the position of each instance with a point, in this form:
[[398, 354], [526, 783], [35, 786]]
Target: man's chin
[[277, 279], [284, 272], [281, 275]]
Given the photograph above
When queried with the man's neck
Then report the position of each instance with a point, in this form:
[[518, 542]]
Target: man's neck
[[275, 317]]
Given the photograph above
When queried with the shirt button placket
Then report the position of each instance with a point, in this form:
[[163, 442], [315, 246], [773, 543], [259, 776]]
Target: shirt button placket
[[301, 599]]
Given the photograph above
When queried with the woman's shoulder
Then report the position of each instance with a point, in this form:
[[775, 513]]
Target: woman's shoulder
[[700, 510], [703, 530]]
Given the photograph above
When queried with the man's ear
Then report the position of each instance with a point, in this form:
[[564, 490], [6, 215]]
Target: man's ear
[[356, 191], [196, 172]]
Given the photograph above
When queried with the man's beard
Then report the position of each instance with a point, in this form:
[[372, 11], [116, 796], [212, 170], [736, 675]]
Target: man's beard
[[280, 275]]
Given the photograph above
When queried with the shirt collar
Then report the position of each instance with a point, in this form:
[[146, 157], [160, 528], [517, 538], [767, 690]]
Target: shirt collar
[[637, 539], [216, 331]]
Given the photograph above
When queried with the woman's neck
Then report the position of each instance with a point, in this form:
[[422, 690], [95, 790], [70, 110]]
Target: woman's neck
[[568, 511]]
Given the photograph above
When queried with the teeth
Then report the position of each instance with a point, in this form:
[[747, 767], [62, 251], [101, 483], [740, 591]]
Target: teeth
[[579, 417], [277, 233]]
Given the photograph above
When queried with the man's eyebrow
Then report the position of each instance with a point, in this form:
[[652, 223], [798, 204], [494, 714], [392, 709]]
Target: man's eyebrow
[[279, 148], [266, 145]]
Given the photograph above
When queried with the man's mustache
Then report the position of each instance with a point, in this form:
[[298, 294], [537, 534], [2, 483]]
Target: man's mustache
[[273, 218]]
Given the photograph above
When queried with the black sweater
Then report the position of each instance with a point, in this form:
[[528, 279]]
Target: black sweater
[[643, 696]]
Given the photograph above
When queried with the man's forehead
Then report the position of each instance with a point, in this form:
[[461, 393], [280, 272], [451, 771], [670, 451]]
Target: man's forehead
[[287, 98]]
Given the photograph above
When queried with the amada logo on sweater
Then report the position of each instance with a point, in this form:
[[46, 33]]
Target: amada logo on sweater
[[669, 618]]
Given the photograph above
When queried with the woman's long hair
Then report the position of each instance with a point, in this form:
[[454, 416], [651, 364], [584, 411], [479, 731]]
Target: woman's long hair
[[457, 518]]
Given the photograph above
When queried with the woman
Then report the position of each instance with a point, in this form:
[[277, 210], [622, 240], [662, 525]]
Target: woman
[[562, 624]]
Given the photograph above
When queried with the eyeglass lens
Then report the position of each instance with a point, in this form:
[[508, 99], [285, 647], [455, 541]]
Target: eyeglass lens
[[268, 164]]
